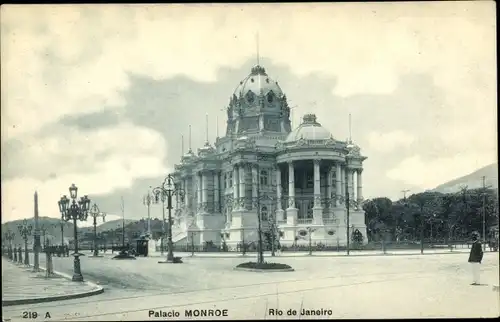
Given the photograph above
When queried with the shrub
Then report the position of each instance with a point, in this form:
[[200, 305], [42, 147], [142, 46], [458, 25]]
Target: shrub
[[264, 265]]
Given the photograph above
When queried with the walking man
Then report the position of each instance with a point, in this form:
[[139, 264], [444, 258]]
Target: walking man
[[475, 258]]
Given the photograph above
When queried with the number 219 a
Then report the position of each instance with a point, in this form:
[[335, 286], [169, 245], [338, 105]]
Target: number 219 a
[[30, 315]]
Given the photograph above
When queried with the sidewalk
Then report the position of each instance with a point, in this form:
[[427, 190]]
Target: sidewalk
[[20, 285], [317, 253]]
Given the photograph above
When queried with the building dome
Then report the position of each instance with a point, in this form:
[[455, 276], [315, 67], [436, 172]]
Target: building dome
[[310, 129], [258, 82]]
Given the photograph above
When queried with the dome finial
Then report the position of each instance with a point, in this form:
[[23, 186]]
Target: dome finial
[[182, 145], [309, 119], [190, 151], [257, 43], [350, 129]]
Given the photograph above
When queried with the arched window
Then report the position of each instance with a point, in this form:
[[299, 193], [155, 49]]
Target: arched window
[[270, 97], [250, 96], [263, 177], [263, 213]]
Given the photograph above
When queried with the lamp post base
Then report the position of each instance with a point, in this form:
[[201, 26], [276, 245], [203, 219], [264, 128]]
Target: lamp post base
[[173, 261], [77, 273], [77, 278]]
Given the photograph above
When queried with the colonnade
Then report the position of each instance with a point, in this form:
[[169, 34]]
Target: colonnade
[[343, 174]]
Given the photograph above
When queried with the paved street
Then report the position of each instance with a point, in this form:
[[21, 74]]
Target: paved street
[[351, 287]]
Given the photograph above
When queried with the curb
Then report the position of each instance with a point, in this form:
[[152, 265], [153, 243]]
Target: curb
[[328, 255], [98, 290]]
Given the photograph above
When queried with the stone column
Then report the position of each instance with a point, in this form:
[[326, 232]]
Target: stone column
[[179, 184], [353, 194], [338, 182], [187, 193], [329, 187], [242, 186], [343, 178], [292, 211], [350, 175], [199, 200], [236, 201], [280, 214], [204, 191], [216, 192], [359, 187], [255, 177], [291, 185], [317, 184], [317, 209]]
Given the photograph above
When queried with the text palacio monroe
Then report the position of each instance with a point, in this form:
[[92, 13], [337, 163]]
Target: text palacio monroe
[[187, 313]]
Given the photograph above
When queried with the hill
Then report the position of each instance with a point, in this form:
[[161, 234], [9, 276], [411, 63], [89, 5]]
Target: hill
[[50, 226], [473, 180], [108, 225]]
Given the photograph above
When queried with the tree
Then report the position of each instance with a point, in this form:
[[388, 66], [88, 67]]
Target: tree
[[422, 206], [378, 212]]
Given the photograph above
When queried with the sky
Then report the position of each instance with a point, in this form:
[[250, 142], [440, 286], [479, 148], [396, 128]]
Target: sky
[[100, 95]]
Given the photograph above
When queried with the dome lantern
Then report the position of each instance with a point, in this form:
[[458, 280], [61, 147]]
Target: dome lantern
[[309, 129]]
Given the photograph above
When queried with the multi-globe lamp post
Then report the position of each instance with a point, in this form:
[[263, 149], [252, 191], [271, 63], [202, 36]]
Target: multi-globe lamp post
[[96, 213], [160, 194], [166, 191], [25, 231], [71, 209]]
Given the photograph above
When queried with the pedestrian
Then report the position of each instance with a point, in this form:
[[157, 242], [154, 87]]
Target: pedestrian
[[475, 258], [279, 249]]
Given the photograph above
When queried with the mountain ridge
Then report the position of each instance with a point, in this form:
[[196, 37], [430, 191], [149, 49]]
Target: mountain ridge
[[472, 180]]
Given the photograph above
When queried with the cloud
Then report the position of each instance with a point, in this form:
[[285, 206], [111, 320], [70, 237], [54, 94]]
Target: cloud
[[70, 83], [387, 142], [76, 58], [429, 173], [99, 162]]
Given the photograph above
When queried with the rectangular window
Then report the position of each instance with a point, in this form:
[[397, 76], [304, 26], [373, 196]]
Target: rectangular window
[[263, 178], [309, 180]]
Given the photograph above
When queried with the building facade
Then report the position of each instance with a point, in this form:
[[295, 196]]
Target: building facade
[[295, 180]]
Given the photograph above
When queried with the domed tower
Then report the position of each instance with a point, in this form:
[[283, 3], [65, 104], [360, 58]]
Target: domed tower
[[257, 105]]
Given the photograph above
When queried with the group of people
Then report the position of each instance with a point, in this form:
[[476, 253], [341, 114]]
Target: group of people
[[59, 251]]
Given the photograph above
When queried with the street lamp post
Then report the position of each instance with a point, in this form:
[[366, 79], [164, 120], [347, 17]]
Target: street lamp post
[[9, 236], [310, 230], [61, 224], [256, 202], [75, 210], [159, 193], [96, 213], [275, 232], [166, 191], [348, 204], [25, 231], [147, 200], [44, 231]]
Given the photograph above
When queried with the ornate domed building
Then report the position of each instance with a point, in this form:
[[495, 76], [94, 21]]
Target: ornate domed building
[[264, 174]]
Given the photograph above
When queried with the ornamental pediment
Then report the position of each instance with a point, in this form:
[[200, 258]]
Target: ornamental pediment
[[354, 152], [247, 144], [303, 143]]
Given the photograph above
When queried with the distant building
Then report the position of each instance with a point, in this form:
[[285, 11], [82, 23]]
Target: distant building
[[296, 178]]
